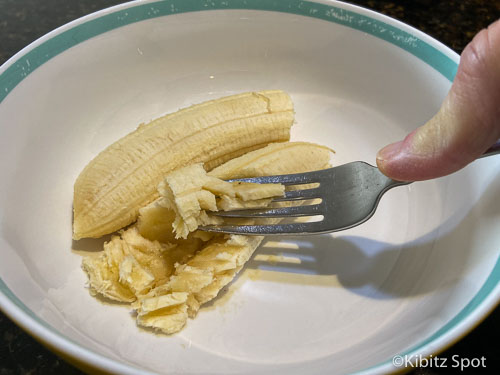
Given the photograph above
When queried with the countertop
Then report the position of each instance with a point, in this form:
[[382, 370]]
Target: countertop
[[452, 22]]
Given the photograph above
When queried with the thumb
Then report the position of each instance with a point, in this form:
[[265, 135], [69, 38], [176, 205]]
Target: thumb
[[467, 123]]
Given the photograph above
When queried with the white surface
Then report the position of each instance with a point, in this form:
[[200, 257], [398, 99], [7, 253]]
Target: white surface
[[356, 299]]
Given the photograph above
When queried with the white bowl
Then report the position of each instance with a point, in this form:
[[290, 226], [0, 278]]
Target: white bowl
[[415, 278]]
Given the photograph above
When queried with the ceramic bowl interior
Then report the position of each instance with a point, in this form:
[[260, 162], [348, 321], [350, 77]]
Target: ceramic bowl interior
[[413, 279]]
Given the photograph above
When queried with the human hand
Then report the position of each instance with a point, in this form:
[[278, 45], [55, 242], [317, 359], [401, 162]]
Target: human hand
[[467, 123]]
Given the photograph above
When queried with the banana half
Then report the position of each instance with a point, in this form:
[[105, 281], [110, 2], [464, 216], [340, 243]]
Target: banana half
[[124, 177]]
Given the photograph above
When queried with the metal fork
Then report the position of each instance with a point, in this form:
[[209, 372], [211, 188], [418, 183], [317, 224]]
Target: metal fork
[[349, 196]]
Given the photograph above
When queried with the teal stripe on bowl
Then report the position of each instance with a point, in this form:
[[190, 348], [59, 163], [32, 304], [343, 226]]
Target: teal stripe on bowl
[[31, 60], [21, 68]]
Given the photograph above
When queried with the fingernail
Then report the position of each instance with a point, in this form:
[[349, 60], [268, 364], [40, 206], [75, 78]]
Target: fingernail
[[390, 151]]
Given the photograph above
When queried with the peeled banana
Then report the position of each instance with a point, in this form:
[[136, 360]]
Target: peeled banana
[[123, 178], [156, 179]]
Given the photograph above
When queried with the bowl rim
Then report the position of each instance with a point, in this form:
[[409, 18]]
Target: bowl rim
[[421, 45]]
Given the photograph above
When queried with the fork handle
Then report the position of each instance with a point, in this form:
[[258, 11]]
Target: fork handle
[[493, 150]]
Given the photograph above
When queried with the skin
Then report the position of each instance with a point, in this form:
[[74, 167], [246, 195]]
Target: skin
[[467, 124]]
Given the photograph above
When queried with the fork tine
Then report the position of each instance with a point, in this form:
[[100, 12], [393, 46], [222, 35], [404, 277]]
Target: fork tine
[[285, 179], [294, 211], [349, 196], [298, 195], [281, 229]]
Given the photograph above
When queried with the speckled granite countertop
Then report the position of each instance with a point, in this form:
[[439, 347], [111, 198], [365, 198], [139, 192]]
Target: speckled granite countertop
[[452, 22]]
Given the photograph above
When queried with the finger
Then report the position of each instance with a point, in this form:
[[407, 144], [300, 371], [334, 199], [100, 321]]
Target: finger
[[467, 123]]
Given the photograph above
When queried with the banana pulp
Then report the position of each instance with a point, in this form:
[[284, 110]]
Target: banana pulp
[[190, 192], [161, 264]]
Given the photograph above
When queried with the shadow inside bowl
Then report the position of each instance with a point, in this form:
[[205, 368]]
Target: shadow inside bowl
[[419, 266], [90, 245]]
